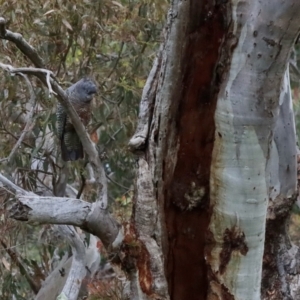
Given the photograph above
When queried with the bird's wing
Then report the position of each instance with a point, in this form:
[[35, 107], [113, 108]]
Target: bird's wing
[[61, 119]]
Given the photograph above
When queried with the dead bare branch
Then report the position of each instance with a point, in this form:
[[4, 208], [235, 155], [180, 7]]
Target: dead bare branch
[[51, 210], [54, 210], [78, 269], [138, 141]]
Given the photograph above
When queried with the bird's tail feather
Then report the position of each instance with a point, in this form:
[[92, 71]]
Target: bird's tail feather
[[71, 154]]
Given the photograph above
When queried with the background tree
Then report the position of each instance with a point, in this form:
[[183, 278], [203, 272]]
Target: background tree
[[216, 174]]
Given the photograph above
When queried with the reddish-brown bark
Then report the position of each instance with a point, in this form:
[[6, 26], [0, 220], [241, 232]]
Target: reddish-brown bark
[[186, 225]]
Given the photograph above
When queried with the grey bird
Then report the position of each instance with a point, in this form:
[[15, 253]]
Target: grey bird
[[80, 95]]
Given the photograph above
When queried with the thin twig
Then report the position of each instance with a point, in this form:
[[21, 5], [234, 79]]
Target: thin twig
[[117, 60], [112, 137], [17, 259], [33, 171], [82, 186], [15, 137], [30, 121], [118, 184], [110, 101], [64, 57]]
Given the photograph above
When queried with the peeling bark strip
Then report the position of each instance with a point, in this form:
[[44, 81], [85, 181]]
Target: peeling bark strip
[[138, 141], [233, 244], [143, 254], [245, 155]]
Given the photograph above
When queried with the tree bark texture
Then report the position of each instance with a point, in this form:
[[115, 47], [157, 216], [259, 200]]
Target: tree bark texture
[[217, 151]]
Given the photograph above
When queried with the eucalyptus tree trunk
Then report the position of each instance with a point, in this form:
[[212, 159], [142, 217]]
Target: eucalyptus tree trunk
[[217, 156]]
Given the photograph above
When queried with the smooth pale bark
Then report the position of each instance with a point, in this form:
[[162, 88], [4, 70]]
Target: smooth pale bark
[[244, 150], [78, 269], [55, 282]]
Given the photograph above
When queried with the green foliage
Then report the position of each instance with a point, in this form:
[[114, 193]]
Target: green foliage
[[12, 285], [113, 42]]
